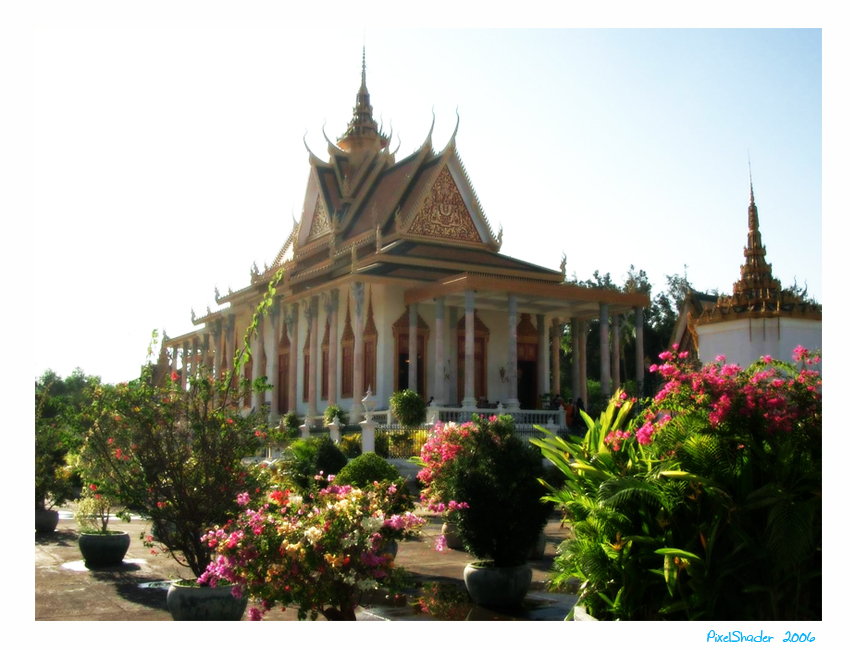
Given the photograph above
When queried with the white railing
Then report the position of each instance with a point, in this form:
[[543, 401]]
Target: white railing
[[521, 417]]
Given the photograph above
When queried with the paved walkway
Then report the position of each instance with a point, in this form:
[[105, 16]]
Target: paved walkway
[[65, 590]]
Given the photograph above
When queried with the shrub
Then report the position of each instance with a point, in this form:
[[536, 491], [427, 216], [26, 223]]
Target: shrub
[[708, 506], [408, 407], [307, 457], [335, 410], [366, 469], [350, 445]]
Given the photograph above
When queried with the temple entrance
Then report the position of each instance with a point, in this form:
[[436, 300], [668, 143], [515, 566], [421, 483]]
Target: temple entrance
[[401, 333], [527, 384], [403, 363], [526, 362]]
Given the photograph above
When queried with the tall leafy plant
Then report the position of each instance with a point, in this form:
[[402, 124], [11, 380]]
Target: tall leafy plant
[[708, 505]]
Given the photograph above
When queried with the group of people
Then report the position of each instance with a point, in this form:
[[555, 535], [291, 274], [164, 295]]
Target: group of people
[[570, 408]]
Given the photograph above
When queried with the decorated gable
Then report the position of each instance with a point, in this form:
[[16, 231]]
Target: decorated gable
[[444, 214]]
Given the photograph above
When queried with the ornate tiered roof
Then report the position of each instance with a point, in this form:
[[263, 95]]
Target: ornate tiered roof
[[758, 293]]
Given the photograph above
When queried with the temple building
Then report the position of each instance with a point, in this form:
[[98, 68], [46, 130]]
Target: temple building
[[759, 318], [393, 279]]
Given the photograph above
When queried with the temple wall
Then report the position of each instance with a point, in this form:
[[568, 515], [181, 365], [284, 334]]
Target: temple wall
[[746, 340]]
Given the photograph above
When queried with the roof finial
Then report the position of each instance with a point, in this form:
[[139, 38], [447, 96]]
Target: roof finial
[[363, 70], [750, 168]]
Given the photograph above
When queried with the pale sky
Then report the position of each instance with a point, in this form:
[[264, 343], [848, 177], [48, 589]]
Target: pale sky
[[168, 159]]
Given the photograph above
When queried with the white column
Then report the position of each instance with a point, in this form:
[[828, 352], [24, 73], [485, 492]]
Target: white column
[[556, 356], [358, 292], [412, 349], [217, 342], [440, 383], [184, 383], [294, 353], [512, 402], [575, 370], [257, 362], [604, 353], [615, 351], [469, 397], [313, 325], [639, 349], [542, 365], [271, 336], [333, 346], [453, 398], [583, 362], [174, 351]]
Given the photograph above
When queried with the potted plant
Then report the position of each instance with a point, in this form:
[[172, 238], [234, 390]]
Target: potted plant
[[100, 546], [318, 554], [487, 478], [52, 479]]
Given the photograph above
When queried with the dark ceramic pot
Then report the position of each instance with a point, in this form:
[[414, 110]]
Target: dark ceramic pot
[[188, 601], [104, 549], [495, 586], [46, 520]]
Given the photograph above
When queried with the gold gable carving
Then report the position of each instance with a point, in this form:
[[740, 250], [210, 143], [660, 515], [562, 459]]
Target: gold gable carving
[[444, 214], [320, 225]]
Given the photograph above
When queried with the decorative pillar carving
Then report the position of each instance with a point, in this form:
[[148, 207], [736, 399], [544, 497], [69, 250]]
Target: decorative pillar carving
[[440, 383], [604, 353], [469, 400], [512, 402]]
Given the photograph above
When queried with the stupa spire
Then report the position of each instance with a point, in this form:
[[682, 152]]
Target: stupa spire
[[362, 129], [757, 284]]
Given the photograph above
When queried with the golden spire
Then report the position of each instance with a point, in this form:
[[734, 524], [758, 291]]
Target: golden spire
[[362, 128], [757, 284]]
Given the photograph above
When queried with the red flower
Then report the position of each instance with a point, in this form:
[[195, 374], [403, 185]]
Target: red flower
[[174, 376], [92, 487]]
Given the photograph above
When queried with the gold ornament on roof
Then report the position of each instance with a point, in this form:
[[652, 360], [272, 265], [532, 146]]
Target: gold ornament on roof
[[444, 213]]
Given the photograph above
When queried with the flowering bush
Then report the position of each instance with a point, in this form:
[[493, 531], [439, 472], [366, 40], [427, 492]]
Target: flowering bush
[[708, 504], [482, 477], [173, 456], [319, 554]]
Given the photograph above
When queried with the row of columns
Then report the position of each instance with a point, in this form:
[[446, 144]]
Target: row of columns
[[271, 328]]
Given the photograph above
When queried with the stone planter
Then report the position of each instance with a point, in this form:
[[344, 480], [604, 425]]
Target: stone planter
[[46, 520], [104, 549], [188, 601], [496, 587], [453, 539]]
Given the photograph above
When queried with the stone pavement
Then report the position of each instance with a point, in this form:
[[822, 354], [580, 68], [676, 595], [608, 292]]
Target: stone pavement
[[66, 591]]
